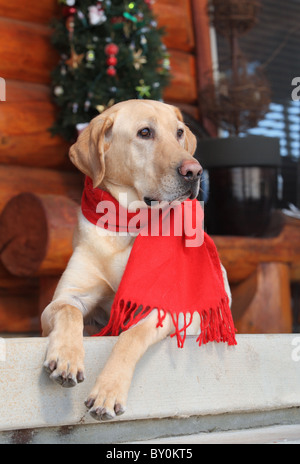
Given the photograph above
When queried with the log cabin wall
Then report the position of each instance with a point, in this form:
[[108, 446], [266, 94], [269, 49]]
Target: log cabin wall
[[31, 160]]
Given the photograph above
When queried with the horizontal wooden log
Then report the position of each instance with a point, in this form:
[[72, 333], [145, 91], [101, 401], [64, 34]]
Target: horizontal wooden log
[[38, 12], [26, 52], [21, 91], [15, 180], [183, 86], [176, 19], [25, 138], [241, 255], [36, 234]]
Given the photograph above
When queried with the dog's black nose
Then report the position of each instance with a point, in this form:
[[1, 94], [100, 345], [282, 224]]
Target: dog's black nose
[[190, 170]]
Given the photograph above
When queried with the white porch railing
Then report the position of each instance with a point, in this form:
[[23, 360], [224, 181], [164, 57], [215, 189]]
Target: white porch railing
[[215, 384]]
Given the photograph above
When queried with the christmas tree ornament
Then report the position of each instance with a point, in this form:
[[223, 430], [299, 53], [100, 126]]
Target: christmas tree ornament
[[63, 70], [111, 50], [87, 105], [97, 14], [143, 40], [81, 126], [130, 17], [139, 59], [143, 90], [75, 107], [111, 61], [111, 71], [101, 108], [74, 60], [68, 11], [90, 57], [58, 90], [166, 63]]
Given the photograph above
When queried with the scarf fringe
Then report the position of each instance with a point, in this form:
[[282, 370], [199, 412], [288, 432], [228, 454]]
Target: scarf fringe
[[216, 324]]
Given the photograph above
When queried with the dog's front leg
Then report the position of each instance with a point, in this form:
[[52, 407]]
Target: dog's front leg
[[63, 323], [109, 395]]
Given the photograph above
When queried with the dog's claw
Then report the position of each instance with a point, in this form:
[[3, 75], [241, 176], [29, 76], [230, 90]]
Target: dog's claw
[[66, 381], [80, 376], [89, 402], [50, 367], [119, 409], [101, 414]]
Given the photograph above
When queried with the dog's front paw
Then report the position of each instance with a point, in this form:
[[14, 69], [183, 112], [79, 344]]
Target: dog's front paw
[[64, 362], [108, 397]]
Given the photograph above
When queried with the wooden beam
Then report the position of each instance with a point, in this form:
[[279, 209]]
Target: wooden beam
[[26, 52], [16, 179], [241, 255], [183, 86], [176, 19], [270, 309], [25, 138], [38, 12], [203, 55]]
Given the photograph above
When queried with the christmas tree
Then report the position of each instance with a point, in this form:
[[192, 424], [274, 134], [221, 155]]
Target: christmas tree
[[110, 51]]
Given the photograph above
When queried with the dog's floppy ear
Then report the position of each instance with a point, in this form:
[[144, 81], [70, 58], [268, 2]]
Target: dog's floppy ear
[[88, 153], [190, 142]]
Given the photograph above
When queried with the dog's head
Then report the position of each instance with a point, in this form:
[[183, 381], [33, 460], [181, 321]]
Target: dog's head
[[143, 145]]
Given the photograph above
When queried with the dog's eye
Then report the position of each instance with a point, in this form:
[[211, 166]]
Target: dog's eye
[[145, 133], [180, 133]]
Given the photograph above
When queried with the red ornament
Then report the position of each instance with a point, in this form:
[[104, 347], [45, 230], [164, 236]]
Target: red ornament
[[68, 10], [111, 71], [111, 49], [111, 61]]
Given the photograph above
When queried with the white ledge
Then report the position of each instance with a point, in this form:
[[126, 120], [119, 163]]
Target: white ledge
[[261, 373]]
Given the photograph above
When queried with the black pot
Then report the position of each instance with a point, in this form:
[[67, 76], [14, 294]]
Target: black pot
[[242, 183]]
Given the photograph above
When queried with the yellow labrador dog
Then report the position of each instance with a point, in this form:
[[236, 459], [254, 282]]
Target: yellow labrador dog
[[144, 149]]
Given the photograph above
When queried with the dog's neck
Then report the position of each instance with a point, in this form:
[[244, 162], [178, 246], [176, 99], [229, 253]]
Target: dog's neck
[[124, 194]]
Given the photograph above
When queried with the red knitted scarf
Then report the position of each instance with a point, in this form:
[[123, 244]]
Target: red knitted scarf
[[169, 271]]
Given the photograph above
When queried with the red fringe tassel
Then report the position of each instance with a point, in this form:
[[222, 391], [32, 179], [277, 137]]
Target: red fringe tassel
[[216, 324]]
